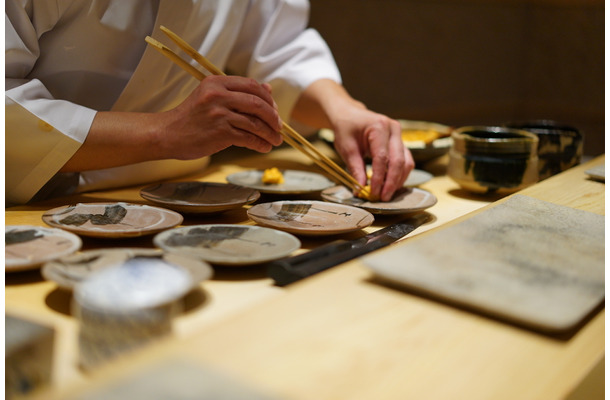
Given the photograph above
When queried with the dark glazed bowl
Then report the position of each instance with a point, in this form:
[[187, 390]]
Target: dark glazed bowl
[[559, 145], [493, 159]]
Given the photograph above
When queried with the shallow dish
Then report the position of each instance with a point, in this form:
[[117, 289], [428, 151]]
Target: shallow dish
[[418, 177], [228, 244], [406, 200], [27, 247], [112, 220], [295, 182], [597, 173], [310, 217], [424, 150], [199, 197], [70, 270]]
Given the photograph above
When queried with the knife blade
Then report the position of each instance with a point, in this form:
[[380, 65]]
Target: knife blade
[[292, 269]]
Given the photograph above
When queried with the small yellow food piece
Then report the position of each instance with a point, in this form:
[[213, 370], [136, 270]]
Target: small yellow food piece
[[272, 176], [420, 135], [367, 195]]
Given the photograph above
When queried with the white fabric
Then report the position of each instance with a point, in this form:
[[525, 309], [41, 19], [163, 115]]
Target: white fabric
[[67, 59]]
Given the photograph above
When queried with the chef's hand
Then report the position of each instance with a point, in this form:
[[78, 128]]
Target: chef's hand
[[223, 111], [360, 134]]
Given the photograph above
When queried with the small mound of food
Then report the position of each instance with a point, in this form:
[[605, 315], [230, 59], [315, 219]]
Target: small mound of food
[[420, 135], [272, 176], [366, 194]]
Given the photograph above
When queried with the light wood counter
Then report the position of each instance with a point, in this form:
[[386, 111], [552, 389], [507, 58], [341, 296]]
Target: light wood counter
[[336, 335]]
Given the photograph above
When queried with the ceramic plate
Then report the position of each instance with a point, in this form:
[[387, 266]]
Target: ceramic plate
[[406, 200], [112, 220], [27, 247], [310, 217], [199, 197], [598, 172], [423, 151], [295, 182], [227, 244], [418, 177], [70, 270]]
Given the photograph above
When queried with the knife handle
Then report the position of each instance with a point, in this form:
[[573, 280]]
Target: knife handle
[[292, 269]]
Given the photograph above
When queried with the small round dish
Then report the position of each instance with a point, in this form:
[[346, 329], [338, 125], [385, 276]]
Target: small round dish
[[597, 173], [27, 247], [68, 271], [112, 220], [416, 177], [425, 140], [228, 244], [310, 217], [295, 182], [406, 200], [199, 197]]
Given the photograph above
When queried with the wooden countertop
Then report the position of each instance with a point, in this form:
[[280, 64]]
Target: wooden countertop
[[336, 334]]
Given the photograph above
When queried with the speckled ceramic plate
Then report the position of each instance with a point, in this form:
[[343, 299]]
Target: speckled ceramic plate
[[199, 197], [310, 217], [418, 177], [28, 247], [70, 270], [112, 220], [406, 200], [228, 244], [295, 182], [598, 173]]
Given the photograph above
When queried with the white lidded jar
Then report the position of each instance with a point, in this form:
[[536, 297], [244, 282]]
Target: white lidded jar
[[124, 307]]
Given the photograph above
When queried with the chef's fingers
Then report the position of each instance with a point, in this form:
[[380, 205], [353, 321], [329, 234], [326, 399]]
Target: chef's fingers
[[261, 132], [400, 163], [390, 162], [247, 85]]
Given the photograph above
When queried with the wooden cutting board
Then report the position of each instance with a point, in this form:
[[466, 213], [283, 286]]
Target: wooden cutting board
[[524, 260]]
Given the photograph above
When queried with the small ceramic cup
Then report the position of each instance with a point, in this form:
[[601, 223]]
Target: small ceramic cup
[[493, 159], [559, 145]]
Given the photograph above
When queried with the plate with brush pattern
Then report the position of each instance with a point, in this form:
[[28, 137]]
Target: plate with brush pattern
[[310, 217], [112, 220]]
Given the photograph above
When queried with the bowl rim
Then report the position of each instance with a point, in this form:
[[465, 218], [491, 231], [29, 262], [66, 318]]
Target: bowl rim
[[545, 127], [462, 133]]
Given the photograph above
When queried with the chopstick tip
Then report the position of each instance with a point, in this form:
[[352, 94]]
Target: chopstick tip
[[152, 41]]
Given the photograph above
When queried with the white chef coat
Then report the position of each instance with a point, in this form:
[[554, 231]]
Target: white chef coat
[[67, 59]]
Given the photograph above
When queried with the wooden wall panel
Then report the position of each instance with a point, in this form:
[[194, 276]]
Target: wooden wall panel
[[472, 62]]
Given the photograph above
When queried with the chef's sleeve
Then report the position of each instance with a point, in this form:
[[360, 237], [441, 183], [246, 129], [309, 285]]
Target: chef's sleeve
[[41, 132]]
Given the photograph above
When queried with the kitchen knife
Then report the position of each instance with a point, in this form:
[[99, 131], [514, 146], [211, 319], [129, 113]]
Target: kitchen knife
[[292, 269]]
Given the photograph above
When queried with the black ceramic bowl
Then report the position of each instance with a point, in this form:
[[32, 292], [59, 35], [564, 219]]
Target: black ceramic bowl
[[493, 159], [559, 145]]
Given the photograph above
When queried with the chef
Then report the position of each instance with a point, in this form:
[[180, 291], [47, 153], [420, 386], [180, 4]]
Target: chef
[[89, 106]]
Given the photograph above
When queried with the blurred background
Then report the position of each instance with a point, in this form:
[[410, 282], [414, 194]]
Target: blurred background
[[464, 62]]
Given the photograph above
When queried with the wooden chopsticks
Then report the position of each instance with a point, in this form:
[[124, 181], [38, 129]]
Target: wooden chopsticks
[[292, 137]]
